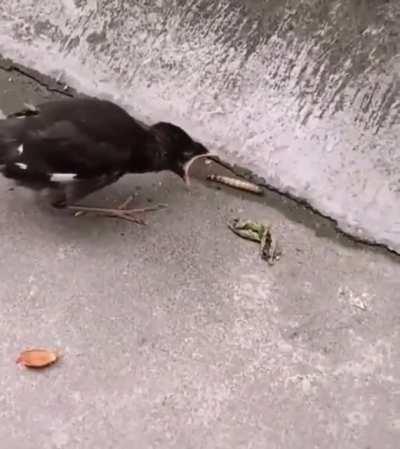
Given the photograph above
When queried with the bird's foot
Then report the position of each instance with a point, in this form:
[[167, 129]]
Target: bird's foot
[[120, 212]]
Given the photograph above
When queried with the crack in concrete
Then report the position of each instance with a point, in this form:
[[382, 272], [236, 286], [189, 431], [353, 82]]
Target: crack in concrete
[[45, 81]]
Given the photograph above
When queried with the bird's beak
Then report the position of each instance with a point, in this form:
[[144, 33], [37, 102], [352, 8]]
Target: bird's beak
[[188, 165]]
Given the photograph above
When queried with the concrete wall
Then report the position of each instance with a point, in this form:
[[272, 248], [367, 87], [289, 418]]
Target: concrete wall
[[306, 94]]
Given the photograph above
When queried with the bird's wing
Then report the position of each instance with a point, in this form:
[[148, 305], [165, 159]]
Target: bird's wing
[[63, 148], [100, 119]]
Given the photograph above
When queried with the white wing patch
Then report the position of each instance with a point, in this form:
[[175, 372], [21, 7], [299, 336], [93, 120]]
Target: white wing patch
[[21, 165], [62, 177], [20, 149]]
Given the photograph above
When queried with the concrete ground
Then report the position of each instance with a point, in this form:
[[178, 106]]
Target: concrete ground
[[177, 334]]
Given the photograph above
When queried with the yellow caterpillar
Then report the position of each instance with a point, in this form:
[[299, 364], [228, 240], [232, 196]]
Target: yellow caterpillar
[[236, 183]]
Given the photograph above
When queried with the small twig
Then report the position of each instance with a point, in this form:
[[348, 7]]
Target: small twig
[[121, 206], [126, 202], [101, 210], [125, 214]]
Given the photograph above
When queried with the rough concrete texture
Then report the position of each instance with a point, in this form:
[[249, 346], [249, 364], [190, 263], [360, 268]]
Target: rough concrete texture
[[177, 336], [304, 92]]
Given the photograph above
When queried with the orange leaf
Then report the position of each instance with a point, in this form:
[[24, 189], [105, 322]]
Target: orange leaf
[[37, 358]]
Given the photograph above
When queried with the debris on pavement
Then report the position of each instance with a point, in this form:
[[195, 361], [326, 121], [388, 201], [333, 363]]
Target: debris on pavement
[[37, 358], [236, 184], [247, 229], [270, 250], [358, 301], [260, 233], [124, 205]]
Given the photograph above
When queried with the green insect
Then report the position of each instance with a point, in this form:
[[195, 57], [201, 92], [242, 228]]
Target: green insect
[[260, 233]]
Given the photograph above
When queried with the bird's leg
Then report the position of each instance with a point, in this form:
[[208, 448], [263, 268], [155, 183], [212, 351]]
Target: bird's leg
[[61, 195]]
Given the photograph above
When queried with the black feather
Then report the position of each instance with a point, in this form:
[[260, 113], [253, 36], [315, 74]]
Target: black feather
[[89, 142]]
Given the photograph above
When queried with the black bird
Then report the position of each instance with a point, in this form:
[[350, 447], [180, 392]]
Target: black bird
[[70, 148]]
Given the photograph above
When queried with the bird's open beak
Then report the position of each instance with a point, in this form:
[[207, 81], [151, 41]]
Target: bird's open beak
[[188, 165]]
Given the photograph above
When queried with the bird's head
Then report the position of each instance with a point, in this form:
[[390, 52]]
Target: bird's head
[[179, 149]]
